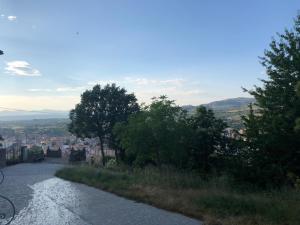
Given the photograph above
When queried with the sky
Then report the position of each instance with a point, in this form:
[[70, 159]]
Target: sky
[[193, 51]]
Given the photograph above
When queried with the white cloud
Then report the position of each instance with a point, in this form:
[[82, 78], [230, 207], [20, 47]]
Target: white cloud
[[146, 81], [70, 89], [21, 68], [182, 95], [2, 15], [102, 82], [59, 89], [140, 81], [12, 18], [39, 90], [194, 92], [182, 90]]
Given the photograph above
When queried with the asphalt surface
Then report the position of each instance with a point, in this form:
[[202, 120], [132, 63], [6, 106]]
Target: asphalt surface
[[42, 199]]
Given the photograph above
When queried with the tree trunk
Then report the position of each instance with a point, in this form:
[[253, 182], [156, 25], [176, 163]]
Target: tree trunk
[[122, 154], [158, 161], [117, 155], [102, 151]]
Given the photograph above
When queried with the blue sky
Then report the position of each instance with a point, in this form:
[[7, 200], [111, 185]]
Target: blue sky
[[194, 51]]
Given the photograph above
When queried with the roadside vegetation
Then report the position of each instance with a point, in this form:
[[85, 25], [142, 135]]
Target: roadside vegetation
[[216, 200], [251, 177], [35, 154]]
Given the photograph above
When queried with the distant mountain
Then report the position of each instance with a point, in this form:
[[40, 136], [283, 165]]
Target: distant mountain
[[230, 110], [227, 104], [10, 115], [231, 103]]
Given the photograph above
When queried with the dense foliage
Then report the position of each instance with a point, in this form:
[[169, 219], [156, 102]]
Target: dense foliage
[[297, 127], [163, 133], [207, 140], [273, 142], [155, 134], [77, 155], [35, 153]]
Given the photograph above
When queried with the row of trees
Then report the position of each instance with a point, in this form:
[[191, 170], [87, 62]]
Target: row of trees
[[163, 133]]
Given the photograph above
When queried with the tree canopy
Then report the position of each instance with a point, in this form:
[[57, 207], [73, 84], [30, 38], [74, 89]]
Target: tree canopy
[[99, 110], [163, 133], [207, 138], [153, 135], [274, 143], [297, 126]]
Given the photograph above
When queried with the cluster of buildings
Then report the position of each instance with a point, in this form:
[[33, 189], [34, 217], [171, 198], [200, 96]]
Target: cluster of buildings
[[63, 143], [233, 133]]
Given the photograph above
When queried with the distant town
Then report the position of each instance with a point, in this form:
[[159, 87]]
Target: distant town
[[49, 134], [52, 133]]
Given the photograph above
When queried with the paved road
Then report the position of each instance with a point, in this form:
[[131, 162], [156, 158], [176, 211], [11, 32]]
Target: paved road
[[42, 199]]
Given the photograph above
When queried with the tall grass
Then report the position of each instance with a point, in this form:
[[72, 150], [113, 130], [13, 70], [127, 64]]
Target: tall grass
[[216, 200]]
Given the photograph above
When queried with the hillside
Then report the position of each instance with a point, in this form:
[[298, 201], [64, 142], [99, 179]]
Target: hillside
[[230, 104], [230, 110], [11, 115]]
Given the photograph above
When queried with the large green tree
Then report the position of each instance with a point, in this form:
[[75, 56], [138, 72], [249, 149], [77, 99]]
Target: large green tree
[[270, 132], [155, 135], [99, 110], [207, 138], [297, 127], [163, 133]]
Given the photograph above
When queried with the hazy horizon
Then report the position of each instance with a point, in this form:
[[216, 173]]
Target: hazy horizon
[[10, 111], [11, 115]]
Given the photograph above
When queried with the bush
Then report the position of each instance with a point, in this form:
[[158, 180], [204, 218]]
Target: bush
[[111, 163], [35, 154], [77, 155]]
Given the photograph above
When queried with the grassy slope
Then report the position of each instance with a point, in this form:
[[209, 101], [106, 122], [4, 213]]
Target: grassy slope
[[214, 201], [229, 110]]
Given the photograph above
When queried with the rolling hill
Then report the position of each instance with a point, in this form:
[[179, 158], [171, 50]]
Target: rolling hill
[[14, 115], [230, 110]]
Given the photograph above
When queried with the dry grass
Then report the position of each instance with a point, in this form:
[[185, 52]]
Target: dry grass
[[215, 200]]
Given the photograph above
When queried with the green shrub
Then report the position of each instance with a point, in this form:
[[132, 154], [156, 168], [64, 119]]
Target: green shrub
[[35, 153], [111, 163]]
